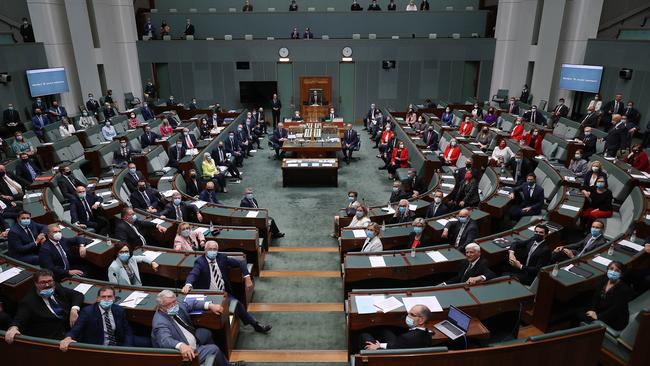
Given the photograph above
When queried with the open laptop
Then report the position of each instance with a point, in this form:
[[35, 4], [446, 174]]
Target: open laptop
[[456, 325]]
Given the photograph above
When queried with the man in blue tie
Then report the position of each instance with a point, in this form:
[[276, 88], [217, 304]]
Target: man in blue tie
[[26, 171], [25, 238], [531, 199], [57, 253], [593, 240], [39, 121]]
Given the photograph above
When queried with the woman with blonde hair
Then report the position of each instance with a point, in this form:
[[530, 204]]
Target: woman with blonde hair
[[188, 239]]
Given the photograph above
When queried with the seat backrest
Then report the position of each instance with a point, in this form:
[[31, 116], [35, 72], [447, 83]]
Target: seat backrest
[[548, 147], [560, 130], [506, 125], [487, 184], [618, 181]]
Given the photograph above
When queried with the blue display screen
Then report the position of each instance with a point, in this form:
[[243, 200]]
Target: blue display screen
[[47, 81], [582, 78]]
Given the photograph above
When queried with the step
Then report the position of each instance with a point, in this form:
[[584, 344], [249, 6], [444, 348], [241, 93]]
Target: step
[[298, 290], [289, 357], [302, 261], [295, 307]]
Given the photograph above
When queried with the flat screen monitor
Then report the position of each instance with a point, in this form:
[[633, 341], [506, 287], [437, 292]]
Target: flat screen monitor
[[257, 93], [47, 81], [584, 78]]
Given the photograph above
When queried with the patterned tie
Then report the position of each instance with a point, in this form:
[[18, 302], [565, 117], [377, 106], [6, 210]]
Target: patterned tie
[[31, 170], [58, 311], [587, 246], [110, 332], [146, 199], [216, 275], [64, 257], [179, 213], [87, 209]]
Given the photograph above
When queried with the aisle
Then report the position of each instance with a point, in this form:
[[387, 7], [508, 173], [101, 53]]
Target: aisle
[[300, 290]]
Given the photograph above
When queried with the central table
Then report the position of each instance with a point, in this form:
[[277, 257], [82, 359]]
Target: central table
[[310, 172]]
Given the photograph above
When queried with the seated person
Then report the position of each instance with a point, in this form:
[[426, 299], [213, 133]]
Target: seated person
[[520, 168], [452, 152], [531, 199], [297, 117], [148, 138], [355, 6], [179, 210], [122, 156], [473, 270], [67, 183], [417, 335], [595, 171], [399, 159], [25, 238], [414, 182], [132, 177], [374, 6], [176, 153], [599, 202], [491, 117], [588, 140], [437, 206], [466, 194], [209, 194], [502, 153], [466, 127], [188, 139], [210, 272], [108, 131], [249, 201], [86, 211], [108, 111], [459, 175], [349, 143], [61, 255], [194, 184], [398, 193], [132, 122], [517, 132], [417, 237], [295, 34], [5, 318], [10, 187], [166, 129], [314, 98], [534, 116], [610, 300], [330, 116], [146, 199], [124, 270], [350, 210], [26, 170], [8, 210], [372, 242], [221, 158], [188, 239], [447, 118], [360, 218], [384, 140], [280, 135], [593, 240], [579, 166], [431, 138], [21, 145], [172, 328], [461, 231], [638, 159], [86, 120], [483, 139], [129, 229], [204, 129], [402, 213], [212, 173], [527, 257], [533, 139]]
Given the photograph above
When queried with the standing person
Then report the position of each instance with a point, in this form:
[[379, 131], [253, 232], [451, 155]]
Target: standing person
[[276, 106], [27, 32]]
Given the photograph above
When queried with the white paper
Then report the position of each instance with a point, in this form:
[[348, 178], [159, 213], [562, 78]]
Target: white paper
[[504, 192], [169, 177], [304, 164], [168, 193], [133, 299], [104, 193], [377, 261], [359, 233], [447, 185], [447, 176], [647, 217], [328, 165], [292, 165], [429, 301], [365, 303], [413, 207], [569, 207], [34, 195], [388, 304], [83, 287], [151, 254], [632, 245], [105, 180], [436, 256], [507, 179], [442, 222], [166, 169], [10, 273], [158, 221], [602, 260], [532, 228], [477, 152], [199, 203], [638, 176], [569, 178], [251, 214], [92, 243]]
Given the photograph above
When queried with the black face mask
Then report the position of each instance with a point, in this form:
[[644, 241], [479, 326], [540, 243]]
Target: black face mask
[[192, 175], [141, 189], [67, 173]]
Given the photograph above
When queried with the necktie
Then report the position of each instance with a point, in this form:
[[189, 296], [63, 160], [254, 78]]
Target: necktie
[[221, 155], [534, 117], [469, 268], [29, 231], [532, 250], [460, 233], [58, 311], [110, 332], [178, 153], [31, 170], [142, 240], [189, 142], [185, 325], [615, 107], [146, 199], [87, 209], [216, 276], [587, 246], [64, 257], [179, 214], [254, 203]]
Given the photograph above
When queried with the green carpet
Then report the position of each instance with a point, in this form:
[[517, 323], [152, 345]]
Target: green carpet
[[301, 261], [298, 290]]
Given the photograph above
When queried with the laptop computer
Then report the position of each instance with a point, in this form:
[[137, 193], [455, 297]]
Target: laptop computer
[[456, 324]]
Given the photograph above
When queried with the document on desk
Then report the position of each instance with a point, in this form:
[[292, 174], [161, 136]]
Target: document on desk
[[158, 221], [447, 185], [359, 233], [503, 192], [569, 178], [388, 304], [33, 195], [429, 301], [507, 179], [366, 303], [251, 214], [602, 260], [106, 180], [292, 165], [413, 207], [168, 193], [442, 222], [304, 164], [569, 207], [638, 176], [377, 261], [436, 256], [93, 243], [199, 203], [447, 176], [83, 287], [631, 245], [166, 178], [151, 255], [104, 193], [10, 273], [134, 299]]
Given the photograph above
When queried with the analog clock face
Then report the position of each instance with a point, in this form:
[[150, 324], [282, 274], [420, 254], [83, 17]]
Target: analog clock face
[[284, 52], [347, 52]]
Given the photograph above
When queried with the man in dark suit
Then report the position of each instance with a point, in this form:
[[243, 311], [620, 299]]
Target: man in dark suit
[[260, 120], [10, 115], [57, 112], [122, 156], [193, 183], [176, 153], [25, 237], [247, 6], [473, 269], [188, 139], [280, 135], [414, 182], [147, 113], [252, 133], [92, 105], [103, 323], [520, 167], [616, 136], [589, 142], [10, 187], [467, 193], [26, 171], [308, 35], [67, 183], [513, 108], [108, 111], [632, 113], [535, 116], [39, 104], [417, 335], [249, 201], [531, 199], [330, 116], [86, 211], [146, 199], [170, 102], [47, 311], [355, 6], [180, 211], [276, 107], [245, 141], [148, 138], [232, 147], [189, 29], [590, 119], [220, 158], [39, 121], [60, 255], [612, 108], [27, 32], [561, 110], [214, 121], [349, 143], [431, 138], [398, 193], [593, 240], [459, 175], [527, 257], [211, 272], [374, 6], [437, 207], [297, 117], [370, 116], [132, 177], [461, 231], [209, 194], [402, 214], [130, 230]]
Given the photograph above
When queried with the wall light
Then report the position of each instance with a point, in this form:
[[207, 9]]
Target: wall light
[[284, 59], [346, 59]]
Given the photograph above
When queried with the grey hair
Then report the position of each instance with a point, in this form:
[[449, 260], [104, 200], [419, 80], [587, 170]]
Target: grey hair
[[473, 246], [164, 294], [418, 221]]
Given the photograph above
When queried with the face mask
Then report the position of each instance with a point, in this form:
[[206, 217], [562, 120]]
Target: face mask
[[133, 116], [462, 219], [613, 275], [48, 292], [141, 189], [370, 234], [503, 146], [19, 137], [106, 304], [453, 143], [578, 156], [124, 257], [108, 125], [359, 214], [437, 200], [123, 144], [447, 110], [395, 189], [538, 237], [587, 133], [134, 218], [600, 185], [595, 232], [132, 170], [211, 254], [193, 175], [173, 310], [25, 222], [418, 230], [402, 210], [84, 114], [409, 322], [11, 108], [81, 195], [350, 199], [249, 196], [177, 201], [185, 233], [595, 169], [57, 236], [178, 146]]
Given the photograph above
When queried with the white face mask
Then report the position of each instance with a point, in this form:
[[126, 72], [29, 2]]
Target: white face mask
[[57, 236]]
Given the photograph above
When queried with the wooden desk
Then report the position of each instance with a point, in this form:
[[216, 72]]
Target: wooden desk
[[313, 113], [312, 149], [476, 330], [310, 172]]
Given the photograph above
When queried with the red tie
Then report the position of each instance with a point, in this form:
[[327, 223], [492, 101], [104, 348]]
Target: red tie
[[189, 142]]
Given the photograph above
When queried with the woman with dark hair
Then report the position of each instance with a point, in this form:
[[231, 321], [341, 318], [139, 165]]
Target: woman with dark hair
[[599, 202], [491, 117], [610, 302], [124, 269]]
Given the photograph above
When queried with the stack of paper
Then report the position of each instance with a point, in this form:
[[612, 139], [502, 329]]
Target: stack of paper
[[151, 255], [134, 299], [377, 261], [251, 214], [413, 207], [602, 260], [199, 203], [10, 273], [436, 256], [366, 303], [429, 301], [388, 304], [569, 207], [442, 222], [632, 245], [359, 233], [93, 243], [158, 221], [106, 180], [83, 287]]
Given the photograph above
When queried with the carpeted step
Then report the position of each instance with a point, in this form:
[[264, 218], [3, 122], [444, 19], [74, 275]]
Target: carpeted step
[[298, 290]]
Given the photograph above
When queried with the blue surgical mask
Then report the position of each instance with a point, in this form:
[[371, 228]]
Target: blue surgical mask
[[211, 254], [395, 189], [132, 170], [359, 214], [47, 292], [613, 275], [106, 304], [350, 199], [409, 322], [25, 222], [462, 219], [402, 210], [81, 195], [249, 196], [185, 233], [124, 257], [595, 232], [177, 201], [600, 185], [370, 234], [173, 310], [418, 230]]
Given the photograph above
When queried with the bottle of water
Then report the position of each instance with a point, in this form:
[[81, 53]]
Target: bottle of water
[[108, 239], [555, 270], [610, 251], [383, 226], [633, 236], [211, 227], [412, 252]]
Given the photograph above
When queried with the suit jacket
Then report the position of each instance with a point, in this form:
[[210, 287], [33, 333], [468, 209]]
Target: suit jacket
[[407, 217], [538, 259], [278, 134], [413, 338], [35, 319], [441, 210], [480, 269], [4, 187], [396, 196], [276, 104], [10, 116], [612, 306], [351, 138], [188, 211], [534, 201], [137, 200], [22, 173], [148, 140], [21, 243], [200, 276], [616, 138], [513, 108], [563, 111], [467, 236], [232, 146], [61, 112], [632, 115], [578, 247], [430, 139], [525, 168], [164, 331], [132, 181], [147, 113], [92, 106], [208, 196], [590, 144], [184, 139], [610, 109], [372, 112], [120, 158], [49, 257], [89, 327], [125, 233], [173, 155], [68, 186], [539, 117], [189, 30], [40, 123], [194, 187], [117, 274], [78, 211], [245, 202], [591, 119], [468, 193]]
